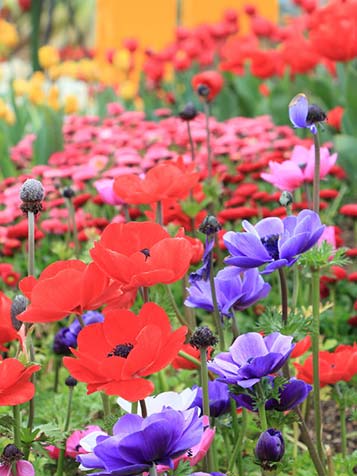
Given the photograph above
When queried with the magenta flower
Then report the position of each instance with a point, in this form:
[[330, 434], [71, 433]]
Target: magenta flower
[[12, 455]]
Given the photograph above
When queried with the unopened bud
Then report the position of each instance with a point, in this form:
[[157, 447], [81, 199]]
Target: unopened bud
[[189, 112], [270, 448], [18, 305], [32, 194], [286, 199], [210, 225], [68, 192], [203, 90], [203, 337], [71, 381]]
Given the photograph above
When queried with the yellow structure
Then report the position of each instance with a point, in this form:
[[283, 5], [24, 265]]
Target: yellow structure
[[152, 22]]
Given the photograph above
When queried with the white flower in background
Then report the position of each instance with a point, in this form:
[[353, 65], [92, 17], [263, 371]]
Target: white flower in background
[[177, 401]]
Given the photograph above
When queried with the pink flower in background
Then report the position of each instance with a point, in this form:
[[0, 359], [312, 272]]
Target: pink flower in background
[[105, 190], [291, 174], [73, 443]]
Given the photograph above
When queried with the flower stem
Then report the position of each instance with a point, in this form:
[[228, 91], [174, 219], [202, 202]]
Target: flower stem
[[152, 470], [144, 411], [191, 141], [261, 406], [208, 139], [216, 316], [315, 336], [205, 398], [316, 185], [57, 365], [62, 452], [106, 404], [179, 316], [31, 244], [159, 213], [17, 426], [284, 296], [310, 445], [73, 226], [343, 429], [237, 453]]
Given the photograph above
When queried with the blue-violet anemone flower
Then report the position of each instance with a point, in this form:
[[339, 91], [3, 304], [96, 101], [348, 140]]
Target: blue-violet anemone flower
[[273, 241], [290, 395], [138, 443], [305, 115], [251, 357], [270, 447], [233, 291], [219, 398]]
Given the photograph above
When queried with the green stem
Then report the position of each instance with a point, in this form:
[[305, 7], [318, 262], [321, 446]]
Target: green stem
[[235, 329], [191, 141], [296, 287], [73, 225], [159, 213], [152, 470], [234, 418], [205, 398], [315, 337], [216, 316], [17, 426], [57, 365], [284, 311], [134, 408], [261, 406], [106, 404], [310, 445], [31, 244], [237, 450], [81, 321], [61, 456], [316, 185], [343, 429], [208, 141], [36, 8], [173, 303]]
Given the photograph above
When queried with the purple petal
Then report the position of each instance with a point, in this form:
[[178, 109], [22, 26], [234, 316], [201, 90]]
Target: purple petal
[[298, 110], [270, 226], [246, 347]]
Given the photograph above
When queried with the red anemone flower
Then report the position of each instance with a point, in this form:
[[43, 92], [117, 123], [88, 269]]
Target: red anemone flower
[[334, 366], [114, 356], [166, 180], [15, 385], [67, 287], [141, 254], [7, 331], [211, 80]]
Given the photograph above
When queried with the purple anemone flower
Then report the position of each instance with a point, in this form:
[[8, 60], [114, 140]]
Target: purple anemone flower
[[219, 398], [273, 241], [203, 273], [270, 447], [305, 115], [138, 443], [251, 357], [233, 291], [291, 394], [66, 337]]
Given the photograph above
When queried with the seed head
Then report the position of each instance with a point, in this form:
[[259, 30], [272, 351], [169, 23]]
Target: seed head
[[203, 337], [32, 194], [18, 305]]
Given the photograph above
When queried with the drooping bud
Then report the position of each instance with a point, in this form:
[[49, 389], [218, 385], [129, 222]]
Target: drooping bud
[[286, 199], [210, 225], [68, 192], [18, 305], [10, 454], [32, 194], [189, 112], [70, 381], [203, 90], [203, 337], [270, 448]]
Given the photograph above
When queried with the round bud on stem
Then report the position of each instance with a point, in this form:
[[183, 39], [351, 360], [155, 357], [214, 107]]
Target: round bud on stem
[[18, 305], [203, 337], [189, 112], [286, 199], [32, 194]]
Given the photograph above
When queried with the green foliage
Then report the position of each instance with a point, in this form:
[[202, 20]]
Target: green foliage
[[323, 257], [49, 137], [298, 324]]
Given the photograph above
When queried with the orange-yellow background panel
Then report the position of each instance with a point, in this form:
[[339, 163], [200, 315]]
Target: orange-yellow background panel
[[153, 22]]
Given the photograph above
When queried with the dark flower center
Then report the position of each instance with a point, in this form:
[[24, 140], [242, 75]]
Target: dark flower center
[[146, 253], [271, 245], [315, 114], [121, 350], [11, 454]]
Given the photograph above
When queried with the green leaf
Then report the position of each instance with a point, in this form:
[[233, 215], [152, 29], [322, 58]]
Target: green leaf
[[49, 135], [7, 167], [346, 147]]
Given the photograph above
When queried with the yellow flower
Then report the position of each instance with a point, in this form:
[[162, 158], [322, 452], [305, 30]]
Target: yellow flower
[[8, 34], [52, 98], [21, 87], [36, 95], [70, 104], [121, 60], [128, 90], [48, 56]]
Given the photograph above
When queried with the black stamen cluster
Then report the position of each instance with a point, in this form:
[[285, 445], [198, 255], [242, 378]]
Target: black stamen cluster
[[203, 337]]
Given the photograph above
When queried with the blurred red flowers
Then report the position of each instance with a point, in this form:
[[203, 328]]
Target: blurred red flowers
[[66, 287], [7, 331], [166, 180], [115, 355], [141, 254], [211, 80], [15, 385], [341, 364]]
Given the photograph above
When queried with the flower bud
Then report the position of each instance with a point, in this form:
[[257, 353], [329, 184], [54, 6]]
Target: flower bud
[[70, 381], [203, 337], [203, 90], [32, 194], [68, 192], [270, 448], [286, 198], [189, 112], [210, 225], [315, 114], [18, 305]]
